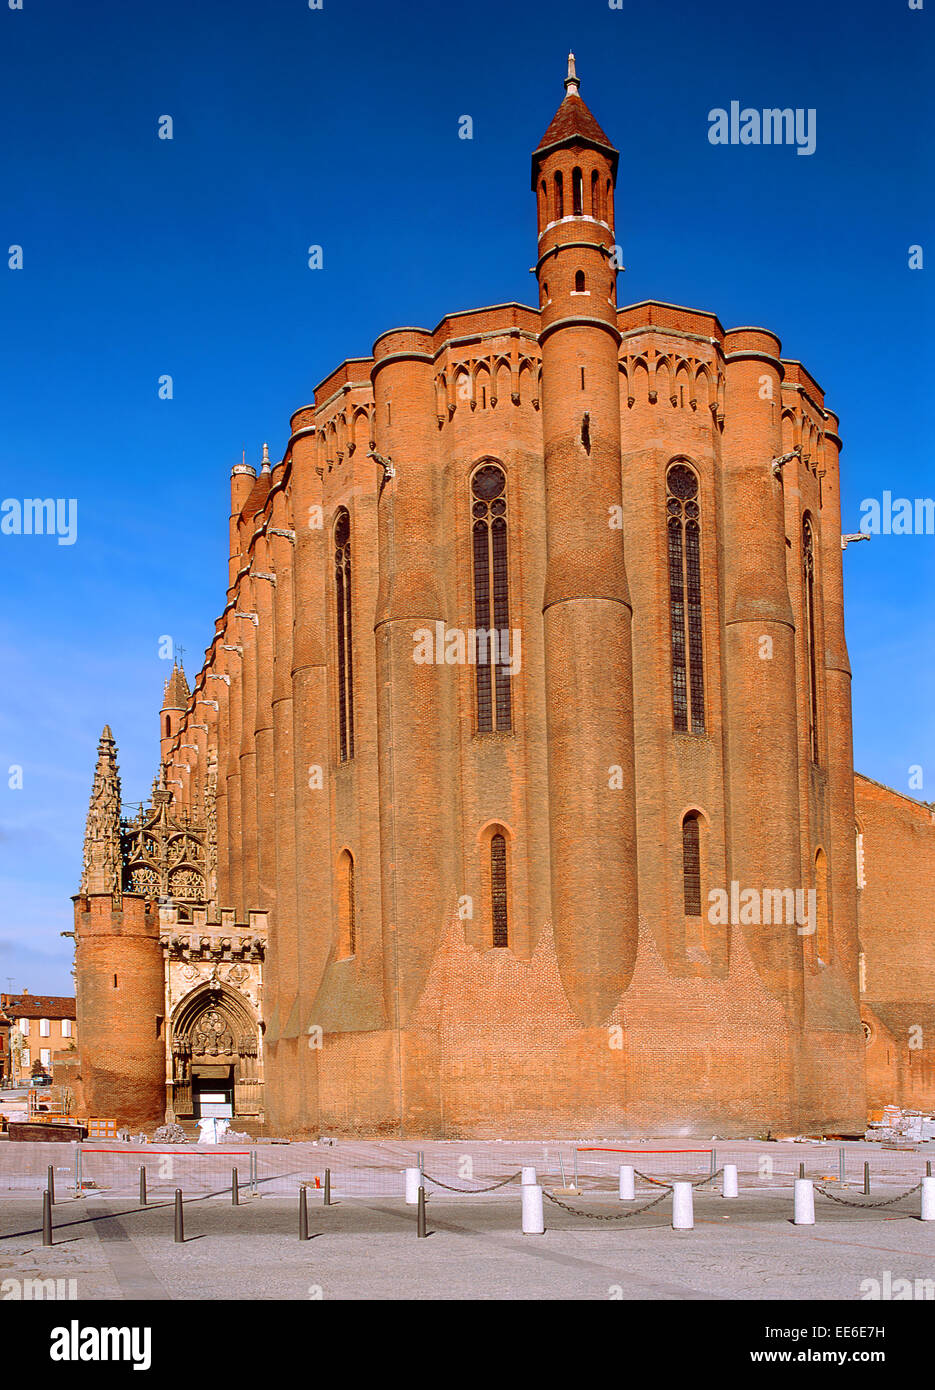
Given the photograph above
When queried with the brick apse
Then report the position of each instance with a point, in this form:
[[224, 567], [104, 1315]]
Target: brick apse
[[491, 873]]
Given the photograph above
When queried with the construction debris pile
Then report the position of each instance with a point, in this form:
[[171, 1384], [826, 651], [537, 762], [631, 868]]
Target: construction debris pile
[[901, 1127]]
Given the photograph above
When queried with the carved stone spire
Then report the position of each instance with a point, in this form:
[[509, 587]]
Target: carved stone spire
[[102, 868]]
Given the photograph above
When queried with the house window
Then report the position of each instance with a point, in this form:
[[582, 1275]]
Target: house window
[[45, 1056], [683, 522], [491, 599], [24, 1027], [66, 1027], [345, 665], [44, 1030]]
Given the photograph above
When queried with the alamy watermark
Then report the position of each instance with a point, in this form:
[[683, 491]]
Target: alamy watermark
[[745, 907], [771, 126], [40, 516], [900, 516], [452, 646]]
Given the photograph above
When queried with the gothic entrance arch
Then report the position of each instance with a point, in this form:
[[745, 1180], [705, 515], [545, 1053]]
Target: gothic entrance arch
[[215, 1054]]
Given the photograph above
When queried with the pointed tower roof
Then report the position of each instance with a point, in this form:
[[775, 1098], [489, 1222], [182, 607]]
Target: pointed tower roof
[[177, 691], [102, 855], [573, 124]]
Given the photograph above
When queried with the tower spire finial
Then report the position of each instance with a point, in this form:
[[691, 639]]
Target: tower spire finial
[[571, 81]]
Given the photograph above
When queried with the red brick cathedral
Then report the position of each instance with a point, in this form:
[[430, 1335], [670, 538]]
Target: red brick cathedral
[[521, 754]]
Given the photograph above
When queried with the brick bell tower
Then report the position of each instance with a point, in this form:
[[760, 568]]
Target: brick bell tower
[[587, 612], [119, 970]]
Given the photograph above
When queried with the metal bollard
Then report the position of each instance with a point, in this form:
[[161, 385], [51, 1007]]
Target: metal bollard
[[801, 1170], [729, 1185], [235, 1188], [51, 1184], [327, 1198], [303, 1214], [420, 1214], [866, 1179], [804, 1214], [627, 1183], [179, 1218], [841, 1169], [928, 1169], [713, 1163], [142, 1186], [533, 1215], [46, 1218], [928, 1199], [683, 1217], [528, 1175]]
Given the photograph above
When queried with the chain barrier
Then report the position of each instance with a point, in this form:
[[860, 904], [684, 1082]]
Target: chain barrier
[[471, 1190], [701, 1182], [601, 1216], [867, 1206]]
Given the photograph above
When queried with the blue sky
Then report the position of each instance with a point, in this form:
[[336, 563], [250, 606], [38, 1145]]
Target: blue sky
[[339, 127]]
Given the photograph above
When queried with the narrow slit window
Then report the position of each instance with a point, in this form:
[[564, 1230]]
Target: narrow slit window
[[691, 866], [498, 890], [345, 669], [683, 526], [491, 600], [808, 561]]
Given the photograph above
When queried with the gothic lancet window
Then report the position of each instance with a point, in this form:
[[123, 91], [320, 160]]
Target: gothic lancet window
[[345, 666], [491, 599], [691, 865], [683, 523], [808, 576], [347, 907], [498, 892]]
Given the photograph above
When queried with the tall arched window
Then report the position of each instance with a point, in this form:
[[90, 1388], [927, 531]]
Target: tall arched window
[[345, 671], [579, 282], [691, 865], [822, 922], [559, 196], [491, 599], [498, 890], [808, 576], [683, 522], [347, 908], [595, 194], [577, 192]]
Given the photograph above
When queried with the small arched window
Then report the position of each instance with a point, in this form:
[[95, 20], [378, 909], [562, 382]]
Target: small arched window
[[347, 907], [577, 192], [683, 524], [493, 639], [559, 196], [579, 282], [691, 864], [345, 662], [499, 909], [808, 577]]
